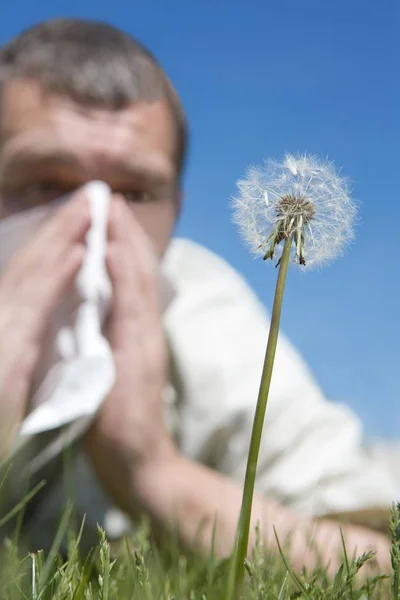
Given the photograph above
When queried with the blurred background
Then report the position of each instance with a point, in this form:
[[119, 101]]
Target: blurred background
[[259, 78]]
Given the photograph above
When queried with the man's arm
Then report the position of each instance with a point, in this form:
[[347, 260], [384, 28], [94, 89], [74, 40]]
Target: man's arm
[[202, 507]]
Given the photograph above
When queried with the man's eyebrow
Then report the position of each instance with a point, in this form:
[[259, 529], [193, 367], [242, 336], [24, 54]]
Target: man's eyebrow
[[32, 159]]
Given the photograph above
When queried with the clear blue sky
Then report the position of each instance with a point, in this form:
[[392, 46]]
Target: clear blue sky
[[262, 77]]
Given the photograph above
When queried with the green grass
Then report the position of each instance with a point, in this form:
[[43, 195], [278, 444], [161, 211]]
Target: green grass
[[141, 570]]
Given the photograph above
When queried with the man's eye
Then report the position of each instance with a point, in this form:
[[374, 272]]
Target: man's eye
[[44, 191], [137, 196]]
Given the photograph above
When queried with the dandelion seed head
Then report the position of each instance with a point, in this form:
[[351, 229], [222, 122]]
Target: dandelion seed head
[[302, 196]]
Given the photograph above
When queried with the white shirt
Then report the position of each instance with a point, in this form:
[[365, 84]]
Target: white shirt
[[312, 456]]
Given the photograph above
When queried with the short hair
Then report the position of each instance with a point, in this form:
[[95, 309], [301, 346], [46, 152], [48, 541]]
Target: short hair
[[93, 63]]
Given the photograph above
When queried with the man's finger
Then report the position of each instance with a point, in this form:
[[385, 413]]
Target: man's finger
[[27, 307], [134, 272], [52, 242], [125, 230], [69, 223]]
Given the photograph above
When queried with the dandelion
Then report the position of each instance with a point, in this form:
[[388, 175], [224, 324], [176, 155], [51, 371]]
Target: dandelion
[[297, 209], [302, 197]]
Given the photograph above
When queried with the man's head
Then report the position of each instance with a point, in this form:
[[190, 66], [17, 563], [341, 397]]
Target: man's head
[[81, 101]]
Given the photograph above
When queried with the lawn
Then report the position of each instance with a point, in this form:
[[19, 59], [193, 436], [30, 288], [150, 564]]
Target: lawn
[[141, 570]]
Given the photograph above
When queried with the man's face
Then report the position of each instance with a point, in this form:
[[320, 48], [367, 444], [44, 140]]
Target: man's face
[[51, 146]]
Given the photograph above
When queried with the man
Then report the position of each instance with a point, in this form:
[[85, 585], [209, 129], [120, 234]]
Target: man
[[81, 101]]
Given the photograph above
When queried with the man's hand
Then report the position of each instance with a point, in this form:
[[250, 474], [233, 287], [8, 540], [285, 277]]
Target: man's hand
[[357, 539], [129, 433], [30, 288]]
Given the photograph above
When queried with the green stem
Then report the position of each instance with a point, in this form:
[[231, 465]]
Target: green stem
[[238, 560]]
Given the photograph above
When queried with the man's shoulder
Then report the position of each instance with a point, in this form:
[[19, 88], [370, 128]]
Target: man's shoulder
[[187, 262], [205, 283]]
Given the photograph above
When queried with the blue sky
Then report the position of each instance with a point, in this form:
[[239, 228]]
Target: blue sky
[[259, 78]]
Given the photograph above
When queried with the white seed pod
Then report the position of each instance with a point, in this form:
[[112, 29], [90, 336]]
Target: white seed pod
[[301, 196]]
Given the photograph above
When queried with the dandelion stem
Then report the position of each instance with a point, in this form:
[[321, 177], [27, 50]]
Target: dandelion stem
[[236, 573]]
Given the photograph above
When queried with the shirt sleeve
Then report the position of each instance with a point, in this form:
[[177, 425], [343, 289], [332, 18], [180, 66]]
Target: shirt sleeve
[[312, 457]]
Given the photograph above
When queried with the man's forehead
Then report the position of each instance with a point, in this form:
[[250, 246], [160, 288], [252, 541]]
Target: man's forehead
[[40, 126]]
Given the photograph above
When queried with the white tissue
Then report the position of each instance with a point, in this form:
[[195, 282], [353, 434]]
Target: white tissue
[[76, 386]]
